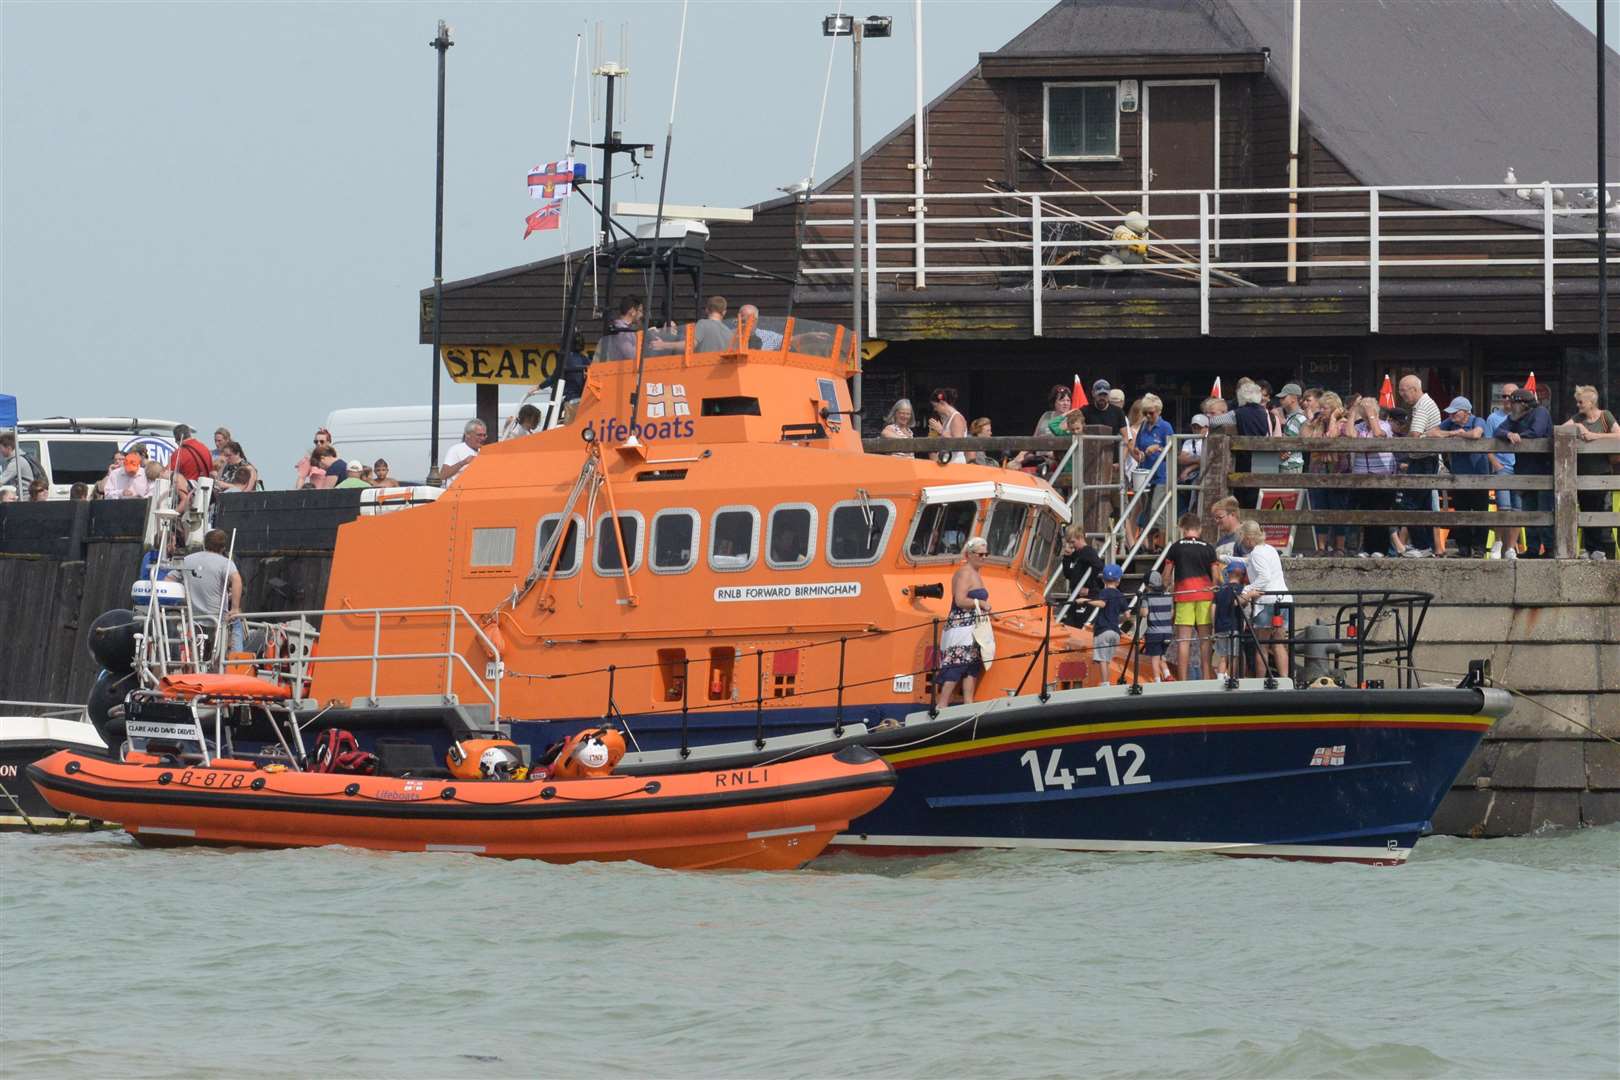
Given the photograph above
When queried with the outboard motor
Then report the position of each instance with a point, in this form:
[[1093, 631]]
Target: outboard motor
[[105, 706]]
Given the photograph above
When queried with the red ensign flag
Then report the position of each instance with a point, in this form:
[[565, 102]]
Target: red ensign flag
[[1078, 399]]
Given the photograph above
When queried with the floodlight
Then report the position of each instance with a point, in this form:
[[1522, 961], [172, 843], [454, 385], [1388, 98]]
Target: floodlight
[[838, 25]]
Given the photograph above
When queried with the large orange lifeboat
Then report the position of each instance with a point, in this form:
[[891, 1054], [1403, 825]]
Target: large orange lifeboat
[[770, 817]]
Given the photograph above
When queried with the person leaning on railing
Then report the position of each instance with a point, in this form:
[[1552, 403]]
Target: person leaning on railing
[[1591, 421], [1461, 423], [1527, 419], [1330, 422], [1366, 424]]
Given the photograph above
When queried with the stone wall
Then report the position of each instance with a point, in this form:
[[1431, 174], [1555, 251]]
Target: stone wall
[[1551, 631]]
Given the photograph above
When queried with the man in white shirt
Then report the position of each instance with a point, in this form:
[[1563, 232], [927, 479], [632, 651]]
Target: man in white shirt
[[127, 478], [458, 456], [1425, 415]]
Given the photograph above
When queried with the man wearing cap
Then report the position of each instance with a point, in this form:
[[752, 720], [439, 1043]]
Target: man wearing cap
[[126, 479], [1461, 423], [1190, 459], [1528, 419], [1101, 411], [352, 478]]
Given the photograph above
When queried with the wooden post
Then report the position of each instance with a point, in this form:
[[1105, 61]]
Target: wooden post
[[1212, 482], [1566, 506], [1099, 470]]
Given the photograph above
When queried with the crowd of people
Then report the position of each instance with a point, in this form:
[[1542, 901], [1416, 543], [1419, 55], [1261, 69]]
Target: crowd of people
[[1477, 443]]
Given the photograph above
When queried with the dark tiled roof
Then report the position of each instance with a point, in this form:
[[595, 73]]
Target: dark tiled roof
[[1401, 91]]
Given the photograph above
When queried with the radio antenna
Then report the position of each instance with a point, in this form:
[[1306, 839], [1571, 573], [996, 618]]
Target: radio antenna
[[663, 174]]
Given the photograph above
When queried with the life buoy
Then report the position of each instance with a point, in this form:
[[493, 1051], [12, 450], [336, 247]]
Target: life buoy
[[593, 752]]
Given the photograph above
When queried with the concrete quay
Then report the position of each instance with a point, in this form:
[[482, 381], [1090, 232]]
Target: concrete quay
[[1551, 631]]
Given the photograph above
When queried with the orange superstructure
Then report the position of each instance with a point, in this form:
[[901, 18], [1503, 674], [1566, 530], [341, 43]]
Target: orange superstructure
[[768, 555]]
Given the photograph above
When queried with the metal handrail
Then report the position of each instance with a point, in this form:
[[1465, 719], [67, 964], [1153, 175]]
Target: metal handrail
[[1197, 259], [455, 613]]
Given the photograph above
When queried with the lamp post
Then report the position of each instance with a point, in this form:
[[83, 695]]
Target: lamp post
[[1602, 219], [877, 26], [441, 43]]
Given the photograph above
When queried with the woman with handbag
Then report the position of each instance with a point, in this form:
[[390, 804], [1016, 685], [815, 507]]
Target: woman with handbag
[[967, 643]]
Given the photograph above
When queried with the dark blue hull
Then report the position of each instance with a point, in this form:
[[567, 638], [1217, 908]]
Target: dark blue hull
[[1324, 774]]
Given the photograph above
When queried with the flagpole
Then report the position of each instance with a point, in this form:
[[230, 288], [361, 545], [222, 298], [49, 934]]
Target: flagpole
[[442, 43], [568, 219]]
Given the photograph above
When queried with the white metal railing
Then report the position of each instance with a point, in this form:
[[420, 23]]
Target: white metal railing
[[1220, 254], [488, 685]]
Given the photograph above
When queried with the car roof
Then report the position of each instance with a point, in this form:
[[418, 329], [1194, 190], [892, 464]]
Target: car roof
[[94, 425]]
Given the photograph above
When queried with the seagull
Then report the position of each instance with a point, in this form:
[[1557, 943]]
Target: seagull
[[1559, 198], [1510, 178], [797, 188]]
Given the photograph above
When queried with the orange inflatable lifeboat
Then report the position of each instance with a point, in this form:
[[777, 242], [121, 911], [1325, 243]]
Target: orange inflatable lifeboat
[[769, 817]]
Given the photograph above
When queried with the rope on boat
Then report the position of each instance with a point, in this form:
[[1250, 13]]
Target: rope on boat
[[1515, 692]]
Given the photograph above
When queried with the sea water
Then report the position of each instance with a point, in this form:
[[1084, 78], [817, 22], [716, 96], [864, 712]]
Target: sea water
[[1478, 958]]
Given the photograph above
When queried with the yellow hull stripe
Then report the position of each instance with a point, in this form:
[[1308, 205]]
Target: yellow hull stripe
[[1309, 720]]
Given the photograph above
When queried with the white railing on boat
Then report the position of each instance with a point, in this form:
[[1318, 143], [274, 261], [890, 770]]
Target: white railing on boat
[[1534, 216], [296, 668]]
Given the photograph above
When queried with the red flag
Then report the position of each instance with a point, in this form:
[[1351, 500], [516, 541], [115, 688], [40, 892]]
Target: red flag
[[1530, 383], [1215, 391], [1386, 394], [548, 216], [1078, 399]]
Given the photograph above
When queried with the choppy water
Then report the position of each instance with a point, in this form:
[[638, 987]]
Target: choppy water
[[1479, 958]]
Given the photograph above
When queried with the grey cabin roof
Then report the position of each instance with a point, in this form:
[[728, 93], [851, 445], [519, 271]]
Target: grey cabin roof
[[1400, 91]]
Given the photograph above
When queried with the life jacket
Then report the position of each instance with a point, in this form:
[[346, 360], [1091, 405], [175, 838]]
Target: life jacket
[[338, 751], [592, 752]]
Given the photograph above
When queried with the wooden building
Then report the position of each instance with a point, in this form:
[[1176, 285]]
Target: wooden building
[[1413, 250]]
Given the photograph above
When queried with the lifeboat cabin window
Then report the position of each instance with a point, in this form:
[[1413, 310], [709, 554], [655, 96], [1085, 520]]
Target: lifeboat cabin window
[[791, 538], [606, 552], [492, 548], [674, 541], [1043, 547], [734, 538], [568, 561], [941, 531], [1006, 529], [858, 531]]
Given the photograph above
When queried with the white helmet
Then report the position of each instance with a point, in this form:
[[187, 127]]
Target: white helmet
[[499, 762], [1135, 222], [593, 753]]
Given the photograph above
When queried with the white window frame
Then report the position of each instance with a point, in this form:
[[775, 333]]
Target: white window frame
[[579, 534], [753, 544], [883, 541], [916, 522], [697, 540], [810, 541], [990, 515], [1046, 122], [635, 556]]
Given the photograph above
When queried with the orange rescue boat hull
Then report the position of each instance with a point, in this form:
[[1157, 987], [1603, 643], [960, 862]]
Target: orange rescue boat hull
[[774, 817]]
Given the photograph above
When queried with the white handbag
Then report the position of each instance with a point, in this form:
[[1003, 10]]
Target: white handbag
[[984, 635]]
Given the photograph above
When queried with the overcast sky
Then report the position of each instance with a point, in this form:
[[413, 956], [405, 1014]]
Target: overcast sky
[[222, 213]]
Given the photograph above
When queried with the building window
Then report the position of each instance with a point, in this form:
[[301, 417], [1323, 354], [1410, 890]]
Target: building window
[[606, 560], [1082, 121], [568, 562], [674, 541], [733, 538], [791, 538], [857, 532]]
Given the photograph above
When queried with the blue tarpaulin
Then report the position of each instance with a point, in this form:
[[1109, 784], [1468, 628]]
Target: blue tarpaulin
[[8, 411]]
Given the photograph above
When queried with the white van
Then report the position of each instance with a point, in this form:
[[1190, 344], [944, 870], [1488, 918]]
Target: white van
[[399, 434], [79, 450]]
